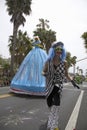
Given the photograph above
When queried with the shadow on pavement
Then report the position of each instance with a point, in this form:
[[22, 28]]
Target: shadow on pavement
[[43, 126], [27, 96]]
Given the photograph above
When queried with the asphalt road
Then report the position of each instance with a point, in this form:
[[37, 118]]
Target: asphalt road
[[24, 112]]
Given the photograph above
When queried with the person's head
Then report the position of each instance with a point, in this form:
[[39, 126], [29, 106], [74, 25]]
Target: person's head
[[57, 49], [36, 40]]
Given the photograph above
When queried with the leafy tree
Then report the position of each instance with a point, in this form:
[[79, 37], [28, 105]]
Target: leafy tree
[[78, 79], [77, 69], [3, 61], [84, 36], [4, 69], [47, 36], [81, 71], [43, 24], [70, 60], [23, 46], [16, 9]]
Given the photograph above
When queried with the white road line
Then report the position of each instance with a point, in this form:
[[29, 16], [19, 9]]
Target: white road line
[[73, 118]]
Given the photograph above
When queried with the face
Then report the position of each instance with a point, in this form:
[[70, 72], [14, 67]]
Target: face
[[58, 50], [36, 39]]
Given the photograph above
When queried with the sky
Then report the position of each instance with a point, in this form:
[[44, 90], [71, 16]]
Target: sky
[[68, 18]]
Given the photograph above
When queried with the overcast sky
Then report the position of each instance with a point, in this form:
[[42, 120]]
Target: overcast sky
[[67, 17]]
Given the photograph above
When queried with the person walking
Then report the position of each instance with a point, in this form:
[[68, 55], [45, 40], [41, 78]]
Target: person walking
[[55, 70]]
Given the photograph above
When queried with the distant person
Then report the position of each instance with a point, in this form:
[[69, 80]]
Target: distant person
[[55, 70], [28, 79]]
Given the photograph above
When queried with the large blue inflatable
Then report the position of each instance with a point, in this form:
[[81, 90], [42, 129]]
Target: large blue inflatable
[[28, 79]]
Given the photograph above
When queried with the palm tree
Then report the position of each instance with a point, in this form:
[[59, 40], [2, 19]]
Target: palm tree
[[16, 9], [77, 69], [84, 36], [81, 71], [70, 60], [47, 36], [43, 24], [23, 46]]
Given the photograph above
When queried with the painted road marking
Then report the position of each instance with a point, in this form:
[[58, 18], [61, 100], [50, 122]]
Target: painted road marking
[[5, 95], [73, 118]]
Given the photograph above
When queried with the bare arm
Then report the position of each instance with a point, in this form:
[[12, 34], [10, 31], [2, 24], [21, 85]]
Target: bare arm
[[45, 69]]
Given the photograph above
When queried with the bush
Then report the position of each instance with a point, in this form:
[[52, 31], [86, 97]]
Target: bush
[[78, 79]]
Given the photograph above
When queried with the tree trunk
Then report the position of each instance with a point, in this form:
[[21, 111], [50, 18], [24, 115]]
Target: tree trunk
[[13, 50]]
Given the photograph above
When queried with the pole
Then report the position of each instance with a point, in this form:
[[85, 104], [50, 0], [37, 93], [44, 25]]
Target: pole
[[75, 64]]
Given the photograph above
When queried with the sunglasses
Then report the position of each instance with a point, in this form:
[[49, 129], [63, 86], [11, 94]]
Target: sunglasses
[[58, 49]]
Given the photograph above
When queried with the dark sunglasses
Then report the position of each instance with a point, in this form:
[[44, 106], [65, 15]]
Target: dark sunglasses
[[58, 49]]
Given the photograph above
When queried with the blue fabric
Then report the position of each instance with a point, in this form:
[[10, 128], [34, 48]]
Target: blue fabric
[[51, 52], [29, 77]]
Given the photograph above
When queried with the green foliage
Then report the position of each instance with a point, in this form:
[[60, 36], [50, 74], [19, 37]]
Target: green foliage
[[78, 79], [84, 36], [86, 79], [70, 60], [22, 47], [4, 71], [4, 62], [47, 36], [16, 8], [43, 24]]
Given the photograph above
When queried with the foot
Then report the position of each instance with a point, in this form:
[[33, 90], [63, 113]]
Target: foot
[[56, 129]]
